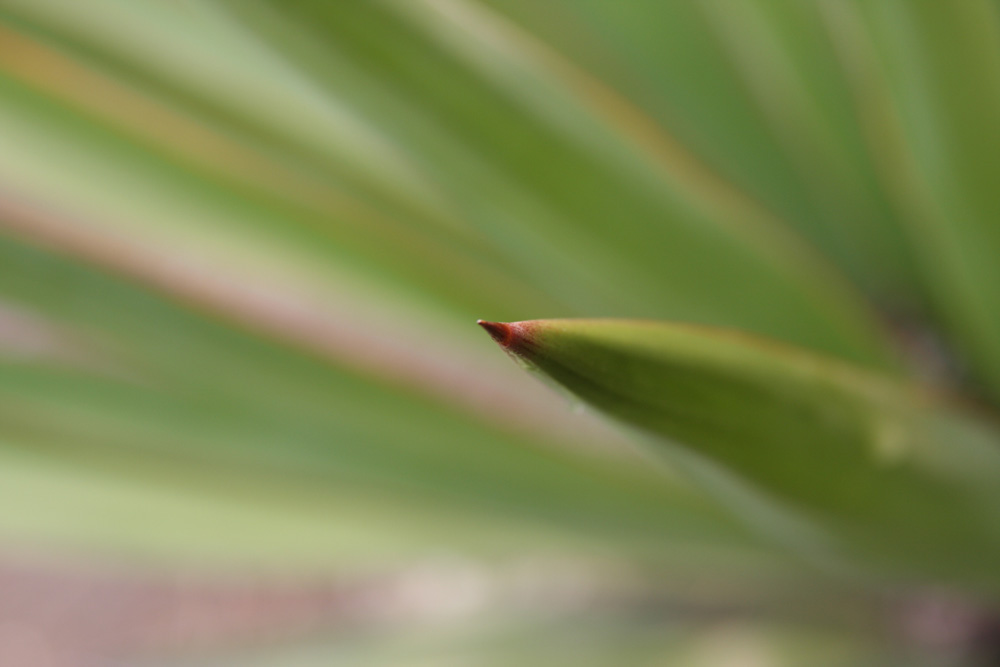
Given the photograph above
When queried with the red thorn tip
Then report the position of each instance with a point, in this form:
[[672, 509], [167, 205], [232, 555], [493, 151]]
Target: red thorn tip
[[498, 331]]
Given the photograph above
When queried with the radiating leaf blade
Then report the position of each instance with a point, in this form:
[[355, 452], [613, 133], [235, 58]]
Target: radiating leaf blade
[[877, 471]]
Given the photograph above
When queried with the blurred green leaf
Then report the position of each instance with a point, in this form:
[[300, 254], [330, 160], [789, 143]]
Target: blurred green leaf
[[163, 384], [757, 89], [289, 235], [242, 243], [938, 70], [625, 237]]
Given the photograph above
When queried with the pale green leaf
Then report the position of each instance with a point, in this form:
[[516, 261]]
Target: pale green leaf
[[934, 78]]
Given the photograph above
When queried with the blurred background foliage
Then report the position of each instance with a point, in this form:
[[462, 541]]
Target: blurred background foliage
[[244, 243]]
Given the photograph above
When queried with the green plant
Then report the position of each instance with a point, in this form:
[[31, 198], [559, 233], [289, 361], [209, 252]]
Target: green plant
[[244, 242]]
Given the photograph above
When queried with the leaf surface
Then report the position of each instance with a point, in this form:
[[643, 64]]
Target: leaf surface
[[838, 461]]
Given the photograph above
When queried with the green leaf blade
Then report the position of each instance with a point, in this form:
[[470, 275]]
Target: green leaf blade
[[881, 473]]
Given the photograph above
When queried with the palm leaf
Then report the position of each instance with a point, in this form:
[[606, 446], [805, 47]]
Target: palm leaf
[[842, 463], [242, 243]]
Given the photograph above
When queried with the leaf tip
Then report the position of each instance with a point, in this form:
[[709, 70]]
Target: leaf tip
[[501, 332]]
